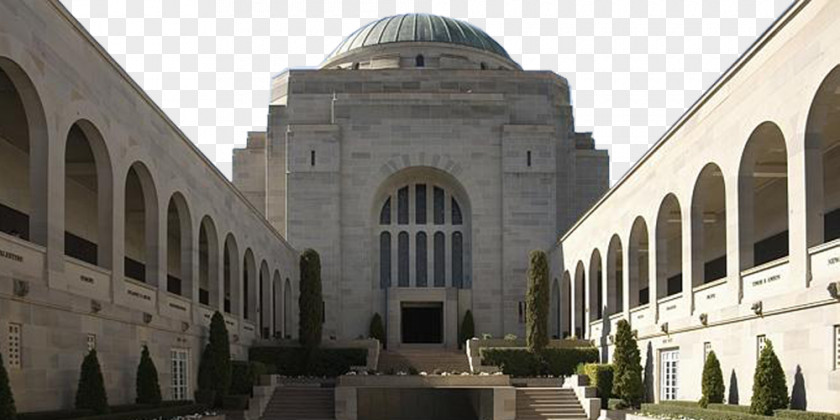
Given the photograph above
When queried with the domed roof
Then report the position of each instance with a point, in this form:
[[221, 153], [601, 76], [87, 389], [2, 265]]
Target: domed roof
[[419, 27]]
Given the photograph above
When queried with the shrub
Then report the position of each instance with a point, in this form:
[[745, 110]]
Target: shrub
[[627, 363], [297, 361], [805, 415], [310, 301], [148, 389], [165, 410], [241, 381], [537, 302], [695, 412], [467, 330], [236, 402], [520, 362], [714, 407], [769, 388], [601, 377], [7, 400], [91, 391], [214, 371], [712, 383], [377, 330]]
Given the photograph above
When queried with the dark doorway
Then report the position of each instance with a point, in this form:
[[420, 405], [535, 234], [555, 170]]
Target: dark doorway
[[422, 323]]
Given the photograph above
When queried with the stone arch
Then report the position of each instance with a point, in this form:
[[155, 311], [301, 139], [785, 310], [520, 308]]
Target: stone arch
[[264, 300], [639, 263], [179, 246], [762, 178], [208, 264], [669, 247], [140, 223], [88, 196], [554, 310], [566, 299], [822, 162], [231, 276], [595, 287], [24, 145], [288, 321], [708, 226], [276, 305], [615, 276], [249, 289], [579, 300]]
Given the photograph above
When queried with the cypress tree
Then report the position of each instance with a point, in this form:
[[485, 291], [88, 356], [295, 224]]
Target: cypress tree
[[627, 363], [377, 330], [537, 302], [712, 383], [310, 302], [91, 392], [769, 387], [214, 370], [148, 388], [7, 400], [467, 328]]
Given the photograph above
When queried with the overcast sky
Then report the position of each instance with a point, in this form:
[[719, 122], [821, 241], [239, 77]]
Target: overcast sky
[[633, 70]]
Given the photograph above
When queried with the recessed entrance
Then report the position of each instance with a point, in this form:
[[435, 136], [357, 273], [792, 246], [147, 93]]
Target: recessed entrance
[[422, 322]]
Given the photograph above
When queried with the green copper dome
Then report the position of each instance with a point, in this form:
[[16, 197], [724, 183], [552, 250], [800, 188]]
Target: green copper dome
[[419, 27]]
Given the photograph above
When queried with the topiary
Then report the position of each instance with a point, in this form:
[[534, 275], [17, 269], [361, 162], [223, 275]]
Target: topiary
[[214, 369], [769, 387], [537, 301], [712, 383], [627, 363], [467, 330], [91, 392], [377, 330], [310, 302], [148, 388], [7, 400]]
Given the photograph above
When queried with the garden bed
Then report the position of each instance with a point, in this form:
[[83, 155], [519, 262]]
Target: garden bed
[[166, 410], [690, 409]]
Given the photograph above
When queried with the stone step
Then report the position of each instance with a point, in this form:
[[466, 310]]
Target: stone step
[[548, 403], [294, 403]]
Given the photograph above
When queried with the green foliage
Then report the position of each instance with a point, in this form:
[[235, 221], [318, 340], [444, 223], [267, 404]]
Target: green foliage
[[214, 370], [537, 302], [377, 329], [805, 415], [770, 390], [712, 383], [601, 377], [7, 400], [744, 409], [164, 410], [520, 362], [695, 412], [245, 375], [310, 302], [91, 391], [236, 402], [467, 330], [297, 361], [627, 363], [148, 389]]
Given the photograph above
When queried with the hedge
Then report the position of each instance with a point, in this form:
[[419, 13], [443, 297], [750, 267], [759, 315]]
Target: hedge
[[297, 361], [805, 415], [120, 412], [601, 376], [244, 375], [520, 362], [715, 407], [697, 413]]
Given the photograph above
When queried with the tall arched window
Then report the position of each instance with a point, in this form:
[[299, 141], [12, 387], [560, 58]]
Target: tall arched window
[[422, 211]]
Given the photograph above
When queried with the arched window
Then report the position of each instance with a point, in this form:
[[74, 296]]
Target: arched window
[[639, 264], [596, 287], [141, 227], [708, 227], [822, 160], [276, 309], [420, 61], [178, 247], [579, 299], [263, 301], [249, 291], [669, 248], [566, 299], [231, 275], [445, 264], [615, 276], [208, 264]]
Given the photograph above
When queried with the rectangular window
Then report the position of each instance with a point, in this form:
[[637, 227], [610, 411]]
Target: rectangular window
[[420, 203], [311, 158], [91, 342], [180, 374], [529, 158], [15, 346], [707, 348], [669, 375], [439, 211], [837, 347], [522, 308], [760, 343], [402, 206]]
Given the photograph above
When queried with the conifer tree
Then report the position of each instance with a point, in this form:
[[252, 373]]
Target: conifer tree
[[712, 383], [310, 302], [769, 387], [7, 400], [467, 328], [537, 302], [91, 392], [627, 365], [148, 388], [377, 330], [214, 371]]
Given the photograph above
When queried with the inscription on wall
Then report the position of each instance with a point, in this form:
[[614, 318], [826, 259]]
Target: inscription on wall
[[138, 295], [834, 260], [766, 280], [249, 328], [178, 307], [86, 279], [670, 307], [11, 256], [711, 296]]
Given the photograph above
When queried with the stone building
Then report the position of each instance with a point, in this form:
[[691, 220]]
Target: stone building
[[423, 164]]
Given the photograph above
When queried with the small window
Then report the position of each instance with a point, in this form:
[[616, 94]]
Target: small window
[[522, 308], [483, 65], [91, 342], [15, 345], [760, 344], [419, 61], [311, 158], [355, 66], [837, 347], [529, 158], [707, 348], [323, 311]]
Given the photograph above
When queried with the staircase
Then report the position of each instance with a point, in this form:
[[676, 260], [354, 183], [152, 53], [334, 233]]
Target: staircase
[[548, 403], [292, 403], [424, 360]]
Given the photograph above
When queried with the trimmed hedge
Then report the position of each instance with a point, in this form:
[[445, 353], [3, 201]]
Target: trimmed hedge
[[297, 361], [805, 415], [520, 362], [601, 376], [716, 407], [244, 376], [121, 412], [695, 412]]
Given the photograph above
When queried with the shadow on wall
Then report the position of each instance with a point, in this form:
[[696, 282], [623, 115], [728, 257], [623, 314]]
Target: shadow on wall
[[733, 389], [649, 374], [604, 339], [798, 397]]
